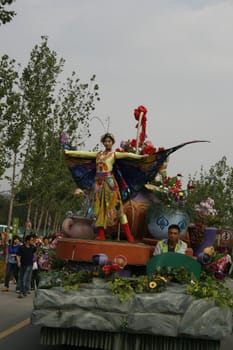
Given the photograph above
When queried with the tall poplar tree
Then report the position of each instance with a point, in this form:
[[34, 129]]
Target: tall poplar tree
[[51, 111], [12, 125]]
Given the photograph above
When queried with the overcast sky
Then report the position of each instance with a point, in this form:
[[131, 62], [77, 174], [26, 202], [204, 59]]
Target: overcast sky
[[175, 57]]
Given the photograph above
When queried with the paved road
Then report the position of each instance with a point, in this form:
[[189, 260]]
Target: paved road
[[16, 332]]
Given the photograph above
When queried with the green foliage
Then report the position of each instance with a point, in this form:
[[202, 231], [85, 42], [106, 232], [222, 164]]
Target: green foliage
[[216, 183], [126, 287], [73, 281], [34, 111], [6, 15], [64, 278], [211, 289], [12, 120], [178, 274], [208, 287]]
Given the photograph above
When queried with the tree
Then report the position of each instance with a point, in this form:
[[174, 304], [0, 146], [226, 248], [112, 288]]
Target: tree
[[34, 111], [6, 15], [12, 123], [9, 107], [217, 183], [48, 114]]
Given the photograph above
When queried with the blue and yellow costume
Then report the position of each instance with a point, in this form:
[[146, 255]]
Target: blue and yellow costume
[[108, 205]]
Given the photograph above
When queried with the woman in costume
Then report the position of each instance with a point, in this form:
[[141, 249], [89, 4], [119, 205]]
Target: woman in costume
[[108, 205]]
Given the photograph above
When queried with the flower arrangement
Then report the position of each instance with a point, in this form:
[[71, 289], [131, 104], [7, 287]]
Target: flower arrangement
[[206, 287], [203, 215], [168, 190], [145, 147], [206, 212], [104, 268], [85, 204], [126, 287], [47, 259]]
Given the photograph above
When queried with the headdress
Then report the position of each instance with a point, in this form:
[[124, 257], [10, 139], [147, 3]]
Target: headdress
[[107, 134]]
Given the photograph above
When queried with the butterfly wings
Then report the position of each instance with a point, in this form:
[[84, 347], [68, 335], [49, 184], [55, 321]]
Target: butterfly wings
[[130, 174], [83, 170], [133, 174]]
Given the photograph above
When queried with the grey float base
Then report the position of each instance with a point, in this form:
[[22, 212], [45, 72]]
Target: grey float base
[[124, 341]]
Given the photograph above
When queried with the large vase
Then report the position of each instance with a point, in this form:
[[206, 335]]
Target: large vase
[[158, 221], [201, 240], [78, 227]]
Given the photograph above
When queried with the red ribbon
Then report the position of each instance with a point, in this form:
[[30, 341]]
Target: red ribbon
[[137, 113]]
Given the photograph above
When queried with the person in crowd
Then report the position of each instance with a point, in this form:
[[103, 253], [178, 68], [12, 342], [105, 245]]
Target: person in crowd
[[44, 259], [35, 272], [11, 264], [25, 262], [45, 243], [172, 244]]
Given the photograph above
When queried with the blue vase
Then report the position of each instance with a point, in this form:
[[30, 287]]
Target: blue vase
[[159, 220]]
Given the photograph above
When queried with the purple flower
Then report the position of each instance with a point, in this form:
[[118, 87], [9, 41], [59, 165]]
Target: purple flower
[[219, 275]]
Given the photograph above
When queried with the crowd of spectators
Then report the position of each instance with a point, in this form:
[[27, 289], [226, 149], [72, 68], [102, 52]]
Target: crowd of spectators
[[25, 259]]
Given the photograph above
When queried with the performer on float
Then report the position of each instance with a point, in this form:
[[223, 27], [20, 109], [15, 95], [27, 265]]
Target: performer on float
[[108, 205], [115, 176]]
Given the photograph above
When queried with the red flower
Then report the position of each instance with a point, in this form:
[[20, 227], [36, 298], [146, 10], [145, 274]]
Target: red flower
[[138, 111], [160, 149], [149, 148], [115, 266], [133, 143], [106, 269]]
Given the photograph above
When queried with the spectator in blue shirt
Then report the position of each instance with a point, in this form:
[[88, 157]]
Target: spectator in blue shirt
[[11, 263]]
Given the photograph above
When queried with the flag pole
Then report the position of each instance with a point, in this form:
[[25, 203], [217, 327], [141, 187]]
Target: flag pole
[[138, 131]]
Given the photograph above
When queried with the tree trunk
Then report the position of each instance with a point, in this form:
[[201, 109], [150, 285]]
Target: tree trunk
[[55, 222], [12, 196], [46, 222], [29, 209], [40, 221], [35, 219]]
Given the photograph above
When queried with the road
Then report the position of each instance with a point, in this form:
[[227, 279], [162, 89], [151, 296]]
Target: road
[[16, 332]]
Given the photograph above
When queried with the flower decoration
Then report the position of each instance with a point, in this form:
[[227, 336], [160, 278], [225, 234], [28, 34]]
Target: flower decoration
[[140, 113], [45, 258], [121, 260], [145, 147], [102, 266], [85, 203], [126, 287], [207, 214], [106, 270], [152, 284], [168, 190], [206, 208]]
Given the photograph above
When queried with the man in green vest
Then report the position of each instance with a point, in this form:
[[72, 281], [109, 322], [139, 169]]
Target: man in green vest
[[172, 244]]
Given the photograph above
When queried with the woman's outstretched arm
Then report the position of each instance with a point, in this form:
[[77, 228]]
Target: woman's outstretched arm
[[81, 154]]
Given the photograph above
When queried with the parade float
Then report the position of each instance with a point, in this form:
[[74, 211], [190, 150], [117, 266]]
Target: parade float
[[113, 294]]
